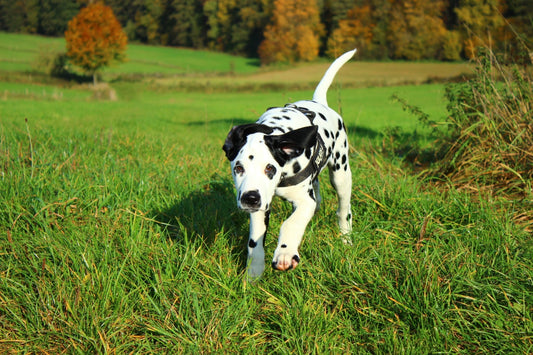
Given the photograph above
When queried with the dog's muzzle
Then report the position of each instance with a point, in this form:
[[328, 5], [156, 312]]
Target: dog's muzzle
[[250, 200]]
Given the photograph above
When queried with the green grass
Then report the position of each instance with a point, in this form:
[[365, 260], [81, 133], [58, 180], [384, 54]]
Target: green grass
[[119, 233]]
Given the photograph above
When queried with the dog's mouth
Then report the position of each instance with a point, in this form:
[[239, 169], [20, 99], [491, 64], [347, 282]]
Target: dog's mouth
[[249, 209]]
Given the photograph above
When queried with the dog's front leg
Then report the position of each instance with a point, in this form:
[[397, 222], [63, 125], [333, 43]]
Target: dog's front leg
[[256, 252], [286, 255]]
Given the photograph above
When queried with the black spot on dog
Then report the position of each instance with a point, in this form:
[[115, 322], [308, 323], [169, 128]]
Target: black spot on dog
[[346, 167], [345, 143], [280, 129], [344, 158], [296, 168], [267, 217], [340, 125], [286, 117], [277, 118], [326, 133], [337, 155], [251, 157], [322, 116], [349, 217], [296, 258], [337, 167], [311, 194], [283, 245], [252, 243], [337, 134]]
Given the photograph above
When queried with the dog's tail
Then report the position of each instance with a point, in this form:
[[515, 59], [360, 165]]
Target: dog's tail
[[321, 90]]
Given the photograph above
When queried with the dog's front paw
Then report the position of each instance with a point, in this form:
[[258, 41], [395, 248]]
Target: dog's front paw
[[255, 269], [285, 261]]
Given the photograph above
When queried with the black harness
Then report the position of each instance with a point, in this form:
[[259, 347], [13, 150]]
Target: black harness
[[317, 161]]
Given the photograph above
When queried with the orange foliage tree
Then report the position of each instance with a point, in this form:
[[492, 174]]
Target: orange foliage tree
[[95, 39], [416, 29], [293, 34], [355, 31]]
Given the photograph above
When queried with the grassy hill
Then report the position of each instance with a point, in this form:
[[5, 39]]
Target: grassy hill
[[21, 52], [180, 68]]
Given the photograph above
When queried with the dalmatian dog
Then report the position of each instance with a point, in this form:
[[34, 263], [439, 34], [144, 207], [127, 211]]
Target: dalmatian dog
[[282, 154]]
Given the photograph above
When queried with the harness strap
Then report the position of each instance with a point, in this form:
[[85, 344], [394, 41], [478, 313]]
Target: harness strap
[[317, 161]]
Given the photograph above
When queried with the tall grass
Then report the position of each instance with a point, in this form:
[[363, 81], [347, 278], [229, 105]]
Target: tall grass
[[490, 130], [484, 144]]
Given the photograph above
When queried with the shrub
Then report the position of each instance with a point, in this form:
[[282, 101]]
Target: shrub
[[490, 130], [487, 142]]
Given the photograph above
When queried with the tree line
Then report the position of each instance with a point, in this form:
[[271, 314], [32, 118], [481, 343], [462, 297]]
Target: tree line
[[294, 30]]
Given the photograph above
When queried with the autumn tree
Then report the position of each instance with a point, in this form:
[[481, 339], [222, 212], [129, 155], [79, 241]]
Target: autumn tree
[[479, 19], [293, 34], [415, 29], [95, 39], [355, 31], [247, 32]]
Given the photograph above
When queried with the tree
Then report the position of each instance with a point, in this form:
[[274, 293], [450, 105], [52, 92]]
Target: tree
[[236, 26], [95, 39], [293, 34], [416, 30], [356, 31], [183, 24], [53, 16], [480, 19], [19, 15]]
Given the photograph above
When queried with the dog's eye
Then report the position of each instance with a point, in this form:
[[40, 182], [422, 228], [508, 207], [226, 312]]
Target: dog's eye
[[238, 169], [270, 171]]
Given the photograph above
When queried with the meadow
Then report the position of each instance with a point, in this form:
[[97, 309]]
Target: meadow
[[119, 231]]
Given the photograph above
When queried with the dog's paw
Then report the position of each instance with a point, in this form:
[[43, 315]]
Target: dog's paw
[[285, 261], [255, 270]]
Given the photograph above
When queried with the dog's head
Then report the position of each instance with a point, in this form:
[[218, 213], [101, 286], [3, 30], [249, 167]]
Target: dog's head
[[258, 159]]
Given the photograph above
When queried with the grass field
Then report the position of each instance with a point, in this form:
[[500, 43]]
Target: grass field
[[119, 234]]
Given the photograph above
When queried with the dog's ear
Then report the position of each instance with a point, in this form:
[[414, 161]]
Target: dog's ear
[[291, 144], [237, 137]]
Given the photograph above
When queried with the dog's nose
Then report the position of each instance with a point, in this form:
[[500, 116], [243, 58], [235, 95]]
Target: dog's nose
[[251, 199]]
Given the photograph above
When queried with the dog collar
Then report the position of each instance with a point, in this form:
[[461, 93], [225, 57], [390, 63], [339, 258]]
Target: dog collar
[[316, 163]]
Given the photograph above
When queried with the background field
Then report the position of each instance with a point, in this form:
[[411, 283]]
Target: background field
[[119, 231]]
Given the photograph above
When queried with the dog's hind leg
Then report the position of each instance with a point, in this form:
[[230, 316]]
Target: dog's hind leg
[[341, 179], [256, 252]]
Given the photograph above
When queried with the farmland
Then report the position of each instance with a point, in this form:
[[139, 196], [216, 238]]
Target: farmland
[[119, 230]]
